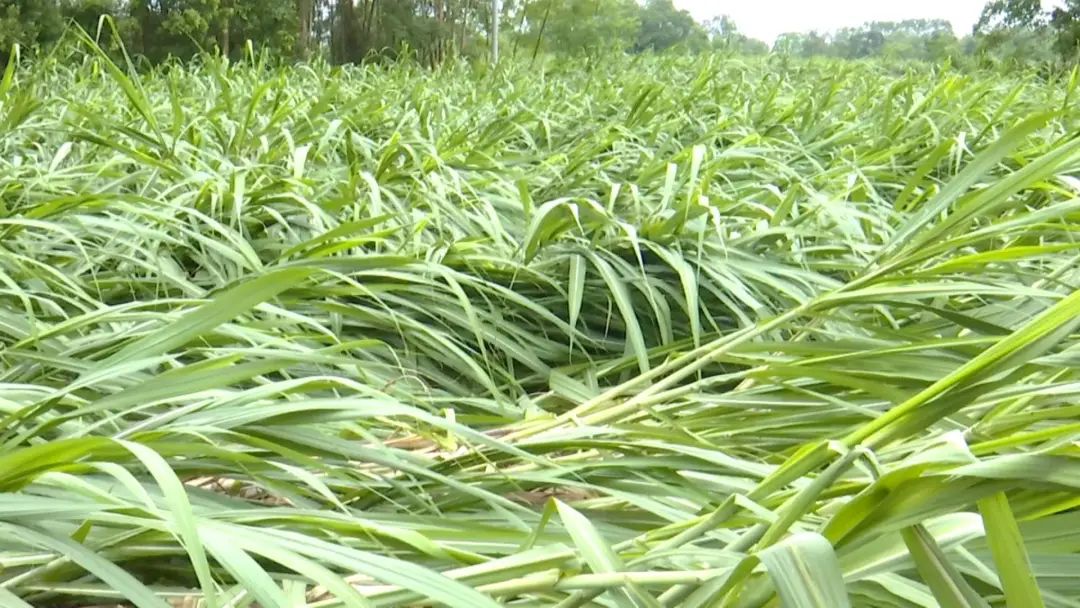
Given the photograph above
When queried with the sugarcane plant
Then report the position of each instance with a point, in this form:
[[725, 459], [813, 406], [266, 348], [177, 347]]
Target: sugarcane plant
[[660, 332]]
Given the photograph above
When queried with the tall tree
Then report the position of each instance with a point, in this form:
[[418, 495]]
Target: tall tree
[[1014, 31], [305, 14], [724, 35], [1066, 23], [584, 27], [810, 44], [663, 26], [346, 40], [496, 14], [225, 13], [1009, 14], [28, 23]]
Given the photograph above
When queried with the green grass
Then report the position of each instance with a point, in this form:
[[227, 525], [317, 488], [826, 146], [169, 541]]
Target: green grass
[[659, 332]]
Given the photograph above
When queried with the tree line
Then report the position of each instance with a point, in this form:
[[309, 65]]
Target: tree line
[[1008, 32], [354, 30], [344, 31], [914, 39]]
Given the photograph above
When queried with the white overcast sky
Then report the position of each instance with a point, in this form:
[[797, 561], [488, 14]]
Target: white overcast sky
[[766, 19]]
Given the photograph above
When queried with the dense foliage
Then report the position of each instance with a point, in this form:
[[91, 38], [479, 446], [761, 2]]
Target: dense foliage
[[921, 39], [1009, 32], [657, 333], [1024, 31], [352, 30]]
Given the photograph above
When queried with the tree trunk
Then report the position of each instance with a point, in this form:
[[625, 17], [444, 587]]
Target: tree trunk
[[140, 10], [543, 26], [305, 14], [440, 40], [224, 24], [465, 26], [369, 26], [495, 31], [225, 37], [520, 27], [346, 31]]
